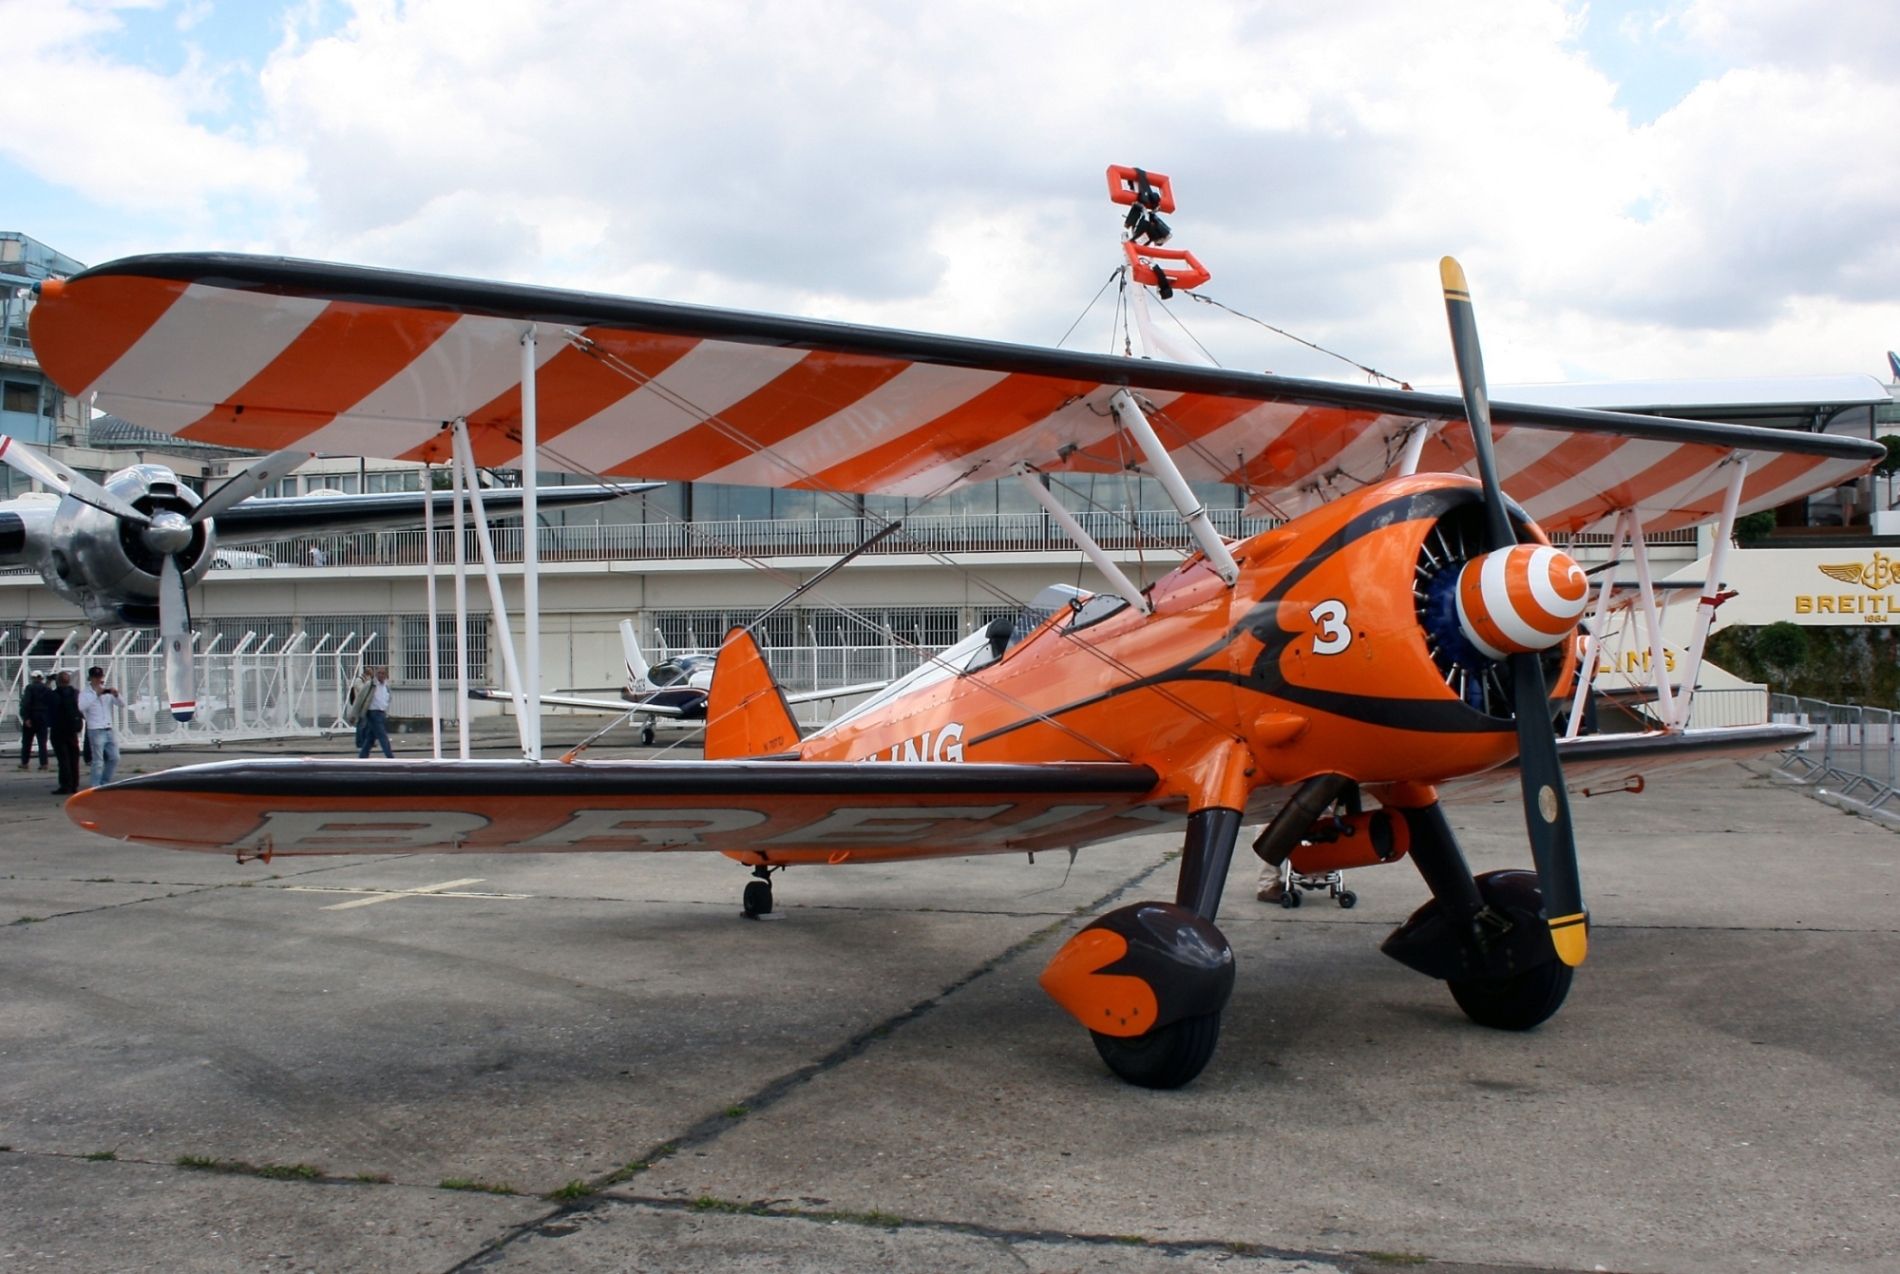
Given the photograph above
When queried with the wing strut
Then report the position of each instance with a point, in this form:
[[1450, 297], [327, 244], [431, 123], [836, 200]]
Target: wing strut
[[1129, 415], [1712, 590], [1652, 617], [1116, 577], [530, 549], [1593, 635], [465, 461], [435, 640], [461, 609]]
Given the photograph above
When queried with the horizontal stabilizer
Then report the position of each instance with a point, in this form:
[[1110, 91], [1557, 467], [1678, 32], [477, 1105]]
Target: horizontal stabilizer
[[489, 695]]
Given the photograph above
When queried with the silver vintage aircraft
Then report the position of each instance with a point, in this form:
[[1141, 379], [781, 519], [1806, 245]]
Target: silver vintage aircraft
[[125, 551]]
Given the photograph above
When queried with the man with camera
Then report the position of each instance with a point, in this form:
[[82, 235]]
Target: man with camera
[[96, 703]]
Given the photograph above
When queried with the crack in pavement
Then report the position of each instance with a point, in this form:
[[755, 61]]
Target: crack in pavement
[[711, 1127], [1346, 1261], [873, 1220], [184, 891]]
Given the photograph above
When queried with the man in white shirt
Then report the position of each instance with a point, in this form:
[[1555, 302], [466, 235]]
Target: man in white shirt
[[96, 703], [376, 717]]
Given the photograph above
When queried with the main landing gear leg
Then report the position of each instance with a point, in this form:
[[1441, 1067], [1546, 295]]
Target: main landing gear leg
[[1485, 936], [758, 893], [1204, 860], [1149, 980]]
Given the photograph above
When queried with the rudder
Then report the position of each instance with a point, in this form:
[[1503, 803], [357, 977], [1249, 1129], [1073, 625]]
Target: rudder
[[746, 713]]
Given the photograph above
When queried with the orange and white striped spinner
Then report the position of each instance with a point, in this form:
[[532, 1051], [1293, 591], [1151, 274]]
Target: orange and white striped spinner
[[1519, 599]]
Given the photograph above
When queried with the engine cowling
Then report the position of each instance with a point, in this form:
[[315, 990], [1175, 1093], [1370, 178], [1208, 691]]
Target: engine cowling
[[110, 568]]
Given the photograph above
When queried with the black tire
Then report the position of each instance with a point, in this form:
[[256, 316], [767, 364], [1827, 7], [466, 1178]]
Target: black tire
[[1348, 899], [646, 736], [1516, 1003], [758, 898], [1166, 1057], [1292, 896]]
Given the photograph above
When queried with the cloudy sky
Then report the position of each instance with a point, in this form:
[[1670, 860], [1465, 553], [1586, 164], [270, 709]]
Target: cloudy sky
[[1665, 188]]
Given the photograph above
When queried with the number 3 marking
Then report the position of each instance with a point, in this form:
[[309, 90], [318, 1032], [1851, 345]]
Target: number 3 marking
[[1334, 633]]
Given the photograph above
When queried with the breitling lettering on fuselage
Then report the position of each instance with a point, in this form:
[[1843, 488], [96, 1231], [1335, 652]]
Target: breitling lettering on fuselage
[[945, 744]]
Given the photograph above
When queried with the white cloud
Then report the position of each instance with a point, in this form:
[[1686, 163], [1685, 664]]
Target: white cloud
[[123, 135], [941, 167]]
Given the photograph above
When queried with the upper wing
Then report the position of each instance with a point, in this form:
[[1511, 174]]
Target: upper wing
[[263, 519], [264, 352]]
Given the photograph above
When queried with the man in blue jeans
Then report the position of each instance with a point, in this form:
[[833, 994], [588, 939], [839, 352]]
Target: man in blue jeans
[[96, 703], [376, 717]]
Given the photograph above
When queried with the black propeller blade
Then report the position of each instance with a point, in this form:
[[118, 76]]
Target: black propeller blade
[[1546, 807]]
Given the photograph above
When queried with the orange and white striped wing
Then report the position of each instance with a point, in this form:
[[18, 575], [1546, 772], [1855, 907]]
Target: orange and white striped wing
[[265, 353]]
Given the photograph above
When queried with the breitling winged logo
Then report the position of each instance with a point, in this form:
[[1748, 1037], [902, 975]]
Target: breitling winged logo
[[1877, 574]]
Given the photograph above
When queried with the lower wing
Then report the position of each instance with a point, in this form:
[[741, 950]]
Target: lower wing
[[763, 811], [759, 811], [1592, 759]]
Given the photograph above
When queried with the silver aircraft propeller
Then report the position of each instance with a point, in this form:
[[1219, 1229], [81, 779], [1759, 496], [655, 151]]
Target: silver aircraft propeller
[[174, 610], [249, 482], [51, 473], [166, 533]]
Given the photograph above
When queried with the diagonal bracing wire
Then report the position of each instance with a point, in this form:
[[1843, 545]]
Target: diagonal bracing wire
[[732, 433]]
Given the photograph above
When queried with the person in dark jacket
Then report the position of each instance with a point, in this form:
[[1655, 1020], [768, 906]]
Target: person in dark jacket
[[36, 717], [65, 723]]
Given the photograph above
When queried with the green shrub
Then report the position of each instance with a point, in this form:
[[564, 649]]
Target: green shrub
[[1783, 645]]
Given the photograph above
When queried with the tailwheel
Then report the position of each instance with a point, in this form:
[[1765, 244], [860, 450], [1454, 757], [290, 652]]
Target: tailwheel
[[757, 899], [1515, 1003], [1166, 1057]]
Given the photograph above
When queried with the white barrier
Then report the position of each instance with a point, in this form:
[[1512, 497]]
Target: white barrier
[[252, 691]]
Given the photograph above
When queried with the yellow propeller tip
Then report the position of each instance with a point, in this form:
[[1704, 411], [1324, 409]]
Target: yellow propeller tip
[[1452, 275], [1571, 936]]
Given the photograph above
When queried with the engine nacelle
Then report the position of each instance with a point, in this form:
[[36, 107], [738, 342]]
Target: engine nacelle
[[109, 568]]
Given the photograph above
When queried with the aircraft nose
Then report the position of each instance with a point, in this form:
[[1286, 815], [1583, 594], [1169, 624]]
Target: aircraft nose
[[1523, 598]]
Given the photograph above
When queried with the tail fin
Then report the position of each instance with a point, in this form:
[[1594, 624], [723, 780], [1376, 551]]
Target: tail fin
[[636, 659], [746, 714]]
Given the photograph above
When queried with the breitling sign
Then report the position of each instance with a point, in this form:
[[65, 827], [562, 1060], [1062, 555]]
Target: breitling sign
[[1871, 595]]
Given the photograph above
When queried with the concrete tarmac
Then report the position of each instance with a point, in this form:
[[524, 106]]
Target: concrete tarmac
[[525, 1063]]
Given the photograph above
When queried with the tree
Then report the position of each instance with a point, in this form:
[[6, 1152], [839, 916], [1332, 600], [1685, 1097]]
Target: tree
[[1754, 526], [1891, 465], [1783, 647]]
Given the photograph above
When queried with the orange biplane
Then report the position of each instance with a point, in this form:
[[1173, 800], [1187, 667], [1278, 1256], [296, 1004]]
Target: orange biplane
[[1400, 635]]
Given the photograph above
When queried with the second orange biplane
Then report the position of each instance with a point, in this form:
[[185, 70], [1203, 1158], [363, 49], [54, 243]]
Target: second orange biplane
[[1402, 634]]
